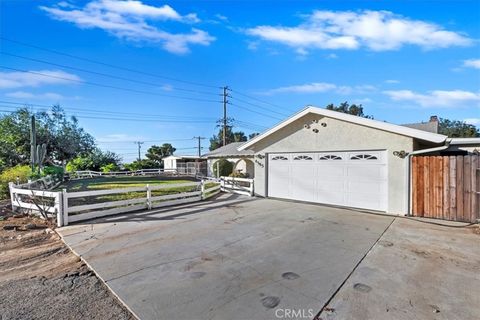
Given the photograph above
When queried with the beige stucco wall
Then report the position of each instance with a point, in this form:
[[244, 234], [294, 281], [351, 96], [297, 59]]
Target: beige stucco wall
[[338, 136]]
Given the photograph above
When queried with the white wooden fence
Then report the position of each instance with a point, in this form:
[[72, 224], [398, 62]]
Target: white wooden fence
[[144, 172], [237, 185], [60, 205]]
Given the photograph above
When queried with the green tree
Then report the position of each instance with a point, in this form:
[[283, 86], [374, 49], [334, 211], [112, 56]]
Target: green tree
[[217, 140], [95, 161], [157, 153], [353, 109], [63, 136], [253, 135], [457, 129]]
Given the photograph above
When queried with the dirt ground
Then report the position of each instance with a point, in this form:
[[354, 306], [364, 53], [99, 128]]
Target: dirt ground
[[40, 278]]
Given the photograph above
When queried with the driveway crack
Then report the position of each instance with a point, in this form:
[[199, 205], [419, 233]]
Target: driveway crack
[[353, 270]]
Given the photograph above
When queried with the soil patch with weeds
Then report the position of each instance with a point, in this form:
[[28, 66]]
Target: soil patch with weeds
[[40, 278]]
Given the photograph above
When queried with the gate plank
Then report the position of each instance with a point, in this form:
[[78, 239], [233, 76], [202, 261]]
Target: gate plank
[[473, 189], [420, 186], [433, 207], [446, 187], [439, 186], [453, 187], [459, 183], [467, 188], [426, 185], [414, 191]]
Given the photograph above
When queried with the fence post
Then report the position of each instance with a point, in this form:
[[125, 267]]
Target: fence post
[[202, 188], [222, 184], [12, 195], [149, 197], [65, 207], [251, 187], [60, 208]]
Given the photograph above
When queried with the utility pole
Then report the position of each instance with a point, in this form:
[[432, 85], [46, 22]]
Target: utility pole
[[225, 101], [199, 145], [139, 143]]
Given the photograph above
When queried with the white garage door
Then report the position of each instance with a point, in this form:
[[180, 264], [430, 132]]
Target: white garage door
[[352, 179]]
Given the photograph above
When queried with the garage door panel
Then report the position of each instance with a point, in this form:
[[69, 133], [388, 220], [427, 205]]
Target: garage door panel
[[302, 182], [367, 172], [278, 180], [366, 200], [330, 171], [364, 187], [355, 178]]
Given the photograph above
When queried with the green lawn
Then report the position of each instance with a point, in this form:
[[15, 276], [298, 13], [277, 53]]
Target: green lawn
[[103, 183]]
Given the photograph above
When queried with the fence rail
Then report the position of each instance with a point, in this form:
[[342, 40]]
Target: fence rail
[[68, 206], [237, 185], [446, 187], [84, 174]]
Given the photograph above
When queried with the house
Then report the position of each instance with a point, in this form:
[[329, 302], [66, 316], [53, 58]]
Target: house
[[242, 160], [328, 157], [193, 165]]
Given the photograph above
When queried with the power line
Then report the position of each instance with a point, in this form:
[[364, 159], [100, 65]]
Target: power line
[[258, 106], [108, 64], [80, 115], [254, 111], [84, 110], [105, 74], [259, 100], [109, 86], [130, 118]]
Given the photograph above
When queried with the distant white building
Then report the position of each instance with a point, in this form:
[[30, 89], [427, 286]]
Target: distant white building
[[185, 164]]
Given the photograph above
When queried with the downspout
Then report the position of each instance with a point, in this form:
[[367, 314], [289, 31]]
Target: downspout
[[408, 171]]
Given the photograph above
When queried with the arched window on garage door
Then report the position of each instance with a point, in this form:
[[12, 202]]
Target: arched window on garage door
[[363, 157]]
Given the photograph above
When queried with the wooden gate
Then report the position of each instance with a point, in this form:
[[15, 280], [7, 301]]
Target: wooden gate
[[446, 187]]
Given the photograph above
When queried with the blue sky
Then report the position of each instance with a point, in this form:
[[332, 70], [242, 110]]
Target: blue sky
[[403, 60]]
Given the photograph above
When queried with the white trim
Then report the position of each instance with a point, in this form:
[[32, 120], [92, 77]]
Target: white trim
[[464, 141], [401, 130]]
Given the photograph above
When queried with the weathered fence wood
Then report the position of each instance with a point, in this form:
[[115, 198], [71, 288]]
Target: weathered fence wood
[[446, 187]]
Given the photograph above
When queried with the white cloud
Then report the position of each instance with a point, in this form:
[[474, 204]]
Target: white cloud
[[221, 17], [319, 87], [119, 137], [392, 81], [437, 98], [127, 19], [331, 56], [314, 87], [474, 121], [11, 80], [375, 30], [472, 63], [40, 96]]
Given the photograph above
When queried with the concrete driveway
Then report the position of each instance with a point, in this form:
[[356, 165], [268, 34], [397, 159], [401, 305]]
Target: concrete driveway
[[230, 258]]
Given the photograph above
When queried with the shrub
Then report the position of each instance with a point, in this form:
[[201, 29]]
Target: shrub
[[93, 161], [54, 171], [109, 167], [23, 173], [142, 164], [225, 168], [238, 174]]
